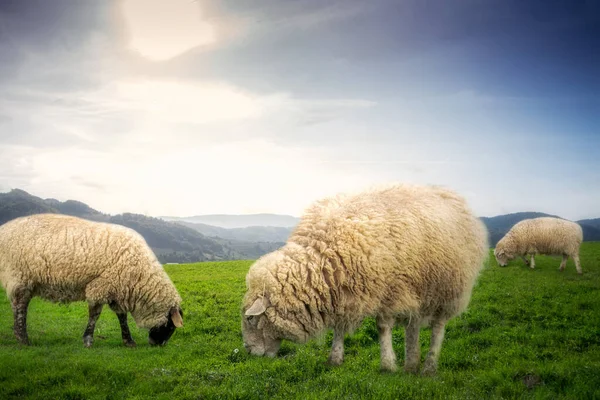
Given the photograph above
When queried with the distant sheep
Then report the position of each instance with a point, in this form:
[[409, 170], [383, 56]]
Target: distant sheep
[[404, 253], [545, 235], [65, 259]]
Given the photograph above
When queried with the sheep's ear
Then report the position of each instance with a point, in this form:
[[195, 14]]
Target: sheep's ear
[[176, 317], [259, 306]]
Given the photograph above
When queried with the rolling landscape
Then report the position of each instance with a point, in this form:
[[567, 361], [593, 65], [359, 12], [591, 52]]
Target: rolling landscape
[[211, 127], [233, 237]]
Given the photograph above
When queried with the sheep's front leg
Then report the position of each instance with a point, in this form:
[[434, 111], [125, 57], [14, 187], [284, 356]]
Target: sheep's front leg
[[563, 263], [336, 357], [525, 260], [412, 351], [125, 334], [94, 311], [437, 337], [577, 264], [388, 357], [532, 264], [20, 302]]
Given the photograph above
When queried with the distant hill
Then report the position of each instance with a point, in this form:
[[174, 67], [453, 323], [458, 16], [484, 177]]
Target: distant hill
[[498, 226], [19, 203], [594, 223], [239, 221], [235, 236], [170, 241], [591, 229], [249, 234]]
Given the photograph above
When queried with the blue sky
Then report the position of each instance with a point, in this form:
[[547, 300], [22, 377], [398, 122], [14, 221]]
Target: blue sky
[[195, 107]]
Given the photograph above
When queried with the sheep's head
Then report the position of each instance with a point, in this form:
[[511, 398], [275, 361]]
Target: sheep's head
[[261, 338], [160, 335], [502, 256]]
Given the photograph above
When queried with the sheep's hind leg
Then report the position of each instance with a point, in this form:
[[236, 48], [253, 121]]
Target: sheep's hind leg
[[388, 357], [412, 352], [563, 263], [437, 337], [20, 302], [336, 357], [94, 311], [125, 334], [577, 264]]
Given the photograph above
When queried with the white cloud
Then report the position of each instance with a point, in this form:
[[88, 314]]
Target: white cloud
[[160, 30], [185, 102], [235, 177]]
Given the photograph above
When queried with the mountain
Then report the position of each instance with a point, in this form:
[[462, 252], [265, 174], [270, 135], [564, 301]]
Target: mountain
[[239, 221], [249, 234], [594, 223], [171, 242], [591, 229], [19, 203]]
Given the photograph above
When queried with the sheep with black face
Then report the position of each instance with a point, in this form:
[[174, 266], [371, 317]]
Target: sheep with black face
[[64, 259]]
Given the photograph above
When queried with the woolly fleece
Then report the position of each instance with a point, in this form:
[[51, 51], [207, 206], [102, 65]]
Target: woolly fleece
[[403, 251], [544, 235], [64, 259]]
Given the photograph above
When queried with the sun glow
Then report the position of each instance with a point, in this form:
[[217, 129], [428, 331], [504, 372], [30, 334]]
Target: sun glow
[[160, 30]]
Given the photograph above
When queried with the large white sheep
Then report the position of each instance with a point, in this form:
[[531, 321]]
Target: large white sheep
[[545, 235], [404, 253], [64, 259]]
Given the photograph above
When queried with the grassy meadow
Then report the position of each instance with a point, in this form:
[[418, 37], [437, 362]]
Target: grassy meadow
[[527, 334]]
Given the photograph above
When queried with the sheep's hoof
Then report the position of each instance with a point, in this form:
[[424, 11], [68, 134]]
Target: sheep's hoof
[[129, 343], [579, 272], [335, 361], [389, 368], [429, 370], [411, 369], [87, 341], [24, 342]]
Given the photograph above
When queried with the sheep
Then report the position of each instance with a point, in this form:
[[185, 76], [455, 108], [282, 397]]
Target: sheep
[[65, 259], [404, 253], [544, 235]]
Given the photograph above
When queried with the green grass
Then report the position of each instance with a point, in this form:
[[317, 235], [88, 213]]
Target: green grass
[[527, 334]]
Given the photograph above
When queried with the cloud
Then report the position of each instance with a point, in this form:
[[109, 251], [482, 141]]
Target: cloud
[[160, 30], [253, 175], [141, 110]]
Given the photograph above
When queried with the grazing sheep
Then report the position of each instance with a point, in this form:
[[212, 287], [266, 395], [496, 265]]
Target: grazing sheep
[[404, 253], [545, 235], [65, 259]]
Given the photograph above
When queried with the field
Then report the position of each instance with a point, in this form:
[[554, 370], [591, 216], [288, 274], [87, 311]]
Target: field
[[527, 334]]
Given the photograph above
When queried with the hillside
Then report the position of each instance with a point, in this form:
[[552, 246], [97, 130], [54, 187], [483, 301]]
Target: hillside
[[248, 234], [182, 240], [239, 221], [170, 241]]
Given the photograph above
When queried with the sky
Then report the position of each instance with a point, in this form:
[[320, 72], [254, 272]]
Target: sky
[[183, 107]]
